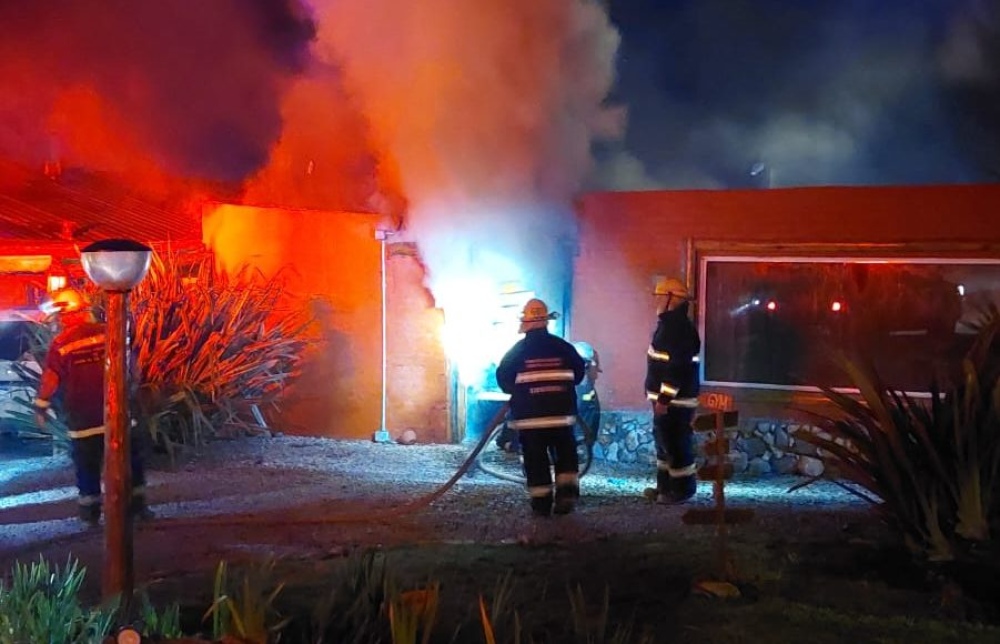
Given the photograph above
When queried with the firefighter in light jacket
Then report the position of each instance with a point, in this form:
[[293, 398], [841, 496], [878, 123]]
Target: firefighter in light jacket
[[672, 384], [540, 372]]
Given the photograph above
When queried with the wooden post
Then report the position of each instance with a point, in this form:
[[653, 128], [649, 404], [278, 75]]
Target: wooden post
[[118, 574], [718, 468], [719, 489]]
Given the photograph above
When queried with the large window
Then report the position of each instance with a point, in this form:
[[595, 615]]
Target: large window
[[772, 321]]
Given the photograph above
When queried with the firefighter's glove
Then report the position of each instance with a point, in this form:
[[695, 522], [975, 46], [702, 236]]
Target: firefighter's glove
[[41, 412]]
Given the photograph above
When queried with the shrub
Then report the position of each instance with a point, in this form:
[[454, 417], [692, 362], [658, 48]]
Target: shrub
[[212, 349], [932, 467], [42, 604]]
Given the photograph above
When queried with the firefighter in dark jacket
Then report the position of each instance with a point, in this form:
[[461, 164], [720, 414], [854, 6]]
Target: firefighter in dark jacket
[[74, 371], [672, 384], [540, 372]]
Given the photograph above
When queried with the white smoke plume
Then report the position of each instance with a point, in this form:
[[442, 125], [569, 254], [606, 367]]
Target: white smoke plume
[[483, 114]]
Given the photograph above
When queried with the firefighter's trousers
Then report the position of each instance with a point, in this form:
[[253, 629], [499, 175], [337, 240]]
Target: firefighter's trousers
[[674, 440], [544, 450], [88, 460]]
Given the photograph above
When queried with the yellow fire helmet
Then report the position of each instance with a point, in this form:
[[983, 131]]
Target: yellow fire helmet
[[67, 300], [671, 286]]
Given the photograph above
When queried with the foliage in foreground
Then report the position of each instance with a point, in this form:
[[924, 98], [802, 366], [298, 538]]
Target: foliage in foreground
[[364, 606], [213, 349], [41, 604], [932, 467]]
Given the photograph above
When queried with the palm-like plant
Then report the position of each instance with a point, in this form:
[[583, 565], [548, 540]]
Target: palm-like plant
[[212, 349], [932, 467]]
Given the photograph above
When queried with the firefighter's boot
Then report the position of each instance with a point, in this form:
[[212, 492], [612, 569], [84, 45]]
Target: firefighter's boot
[[664, 485], [681, 489], [566, 498], [90, 513], [139, 510], [541, 506]]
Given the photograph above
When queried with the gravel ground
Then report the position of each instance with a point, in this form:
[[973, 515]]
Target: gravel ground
[[305, 497]]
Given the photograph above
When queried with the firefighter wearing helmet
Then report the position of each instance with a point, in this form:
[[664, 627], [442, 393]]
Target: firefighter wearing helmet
[[672, 384], [587, 399], [74, 376], [540, 372]]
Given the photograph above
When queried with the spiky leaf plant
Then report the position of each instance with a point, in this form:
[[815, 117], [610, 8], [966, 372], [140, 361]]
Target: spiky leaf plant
[[212, 349], [354, 610], [246, 609], [413, 614], [931, 465], [212, 346], [39, 336], [41, 603]]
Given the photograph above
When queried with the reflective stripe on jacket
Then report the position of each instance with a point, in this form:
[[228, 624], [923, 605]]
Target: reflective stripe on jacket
[[540, 372]]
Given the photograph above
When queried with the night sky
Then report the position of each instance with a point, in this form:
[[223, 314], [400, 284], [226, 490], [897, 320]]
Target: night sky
[[750, 93], [719, 93]]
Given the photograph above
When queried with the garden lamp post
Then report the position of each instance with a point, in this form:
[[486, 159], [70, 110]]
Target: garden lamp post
[[117, 266]]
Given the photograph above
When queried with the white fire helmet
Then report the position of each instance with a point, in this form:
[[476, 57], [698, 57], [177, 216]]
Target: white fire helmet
[[671, 286], [588, 353], [536, 310], [67, 300]]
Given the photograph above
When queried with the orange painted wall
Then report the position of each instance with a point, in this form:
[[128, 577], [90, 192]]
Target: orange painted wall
[[628, 238], [332, 264]]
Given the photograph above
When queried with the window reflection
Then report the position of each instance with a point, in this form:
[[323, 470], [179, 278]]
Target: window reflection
[[773, 322]]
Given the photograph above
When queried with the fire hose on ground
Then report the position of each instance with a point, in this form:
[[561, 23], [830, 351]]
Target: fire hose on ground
[[385, 513], [349, 517], [588, 442]]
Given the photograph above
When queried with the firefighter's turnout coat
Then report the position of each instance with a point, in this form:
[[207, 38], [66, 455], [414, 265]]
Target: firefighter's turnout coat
[[540, 372], [672, 368], [77, 358]]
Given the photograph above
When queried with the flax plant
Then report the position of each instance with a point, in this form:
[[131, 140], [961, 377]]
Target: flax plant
[[505, 616], [212, 346], [354, 610], [211, 349], [932, 467], [246, 609], [41, 604], [413, 614], [593, 625]]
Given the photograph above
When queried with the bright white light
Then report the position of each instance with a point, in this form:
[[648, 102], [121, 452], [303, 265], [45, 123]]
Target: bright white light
[[836, 306], [481, 320], [772, 305], [961, 290]]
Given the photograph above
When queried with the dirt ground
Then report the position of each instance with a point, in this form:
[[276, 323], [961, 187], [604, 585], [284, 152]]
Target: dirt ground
[[814, 555]]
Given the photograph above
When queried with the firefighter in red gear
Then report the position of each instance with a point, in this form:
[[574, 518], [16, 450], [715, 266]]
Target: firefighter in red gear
[[74, 377], [540, 372], [672, 385]]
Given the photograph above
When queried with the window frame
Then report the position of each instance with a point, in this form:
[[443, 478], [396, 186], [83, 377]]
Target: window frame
[[701, 252]]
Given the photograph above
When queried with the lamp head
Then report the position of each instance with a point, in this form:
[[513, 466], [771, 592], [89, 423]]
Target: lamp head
[[116, 264]]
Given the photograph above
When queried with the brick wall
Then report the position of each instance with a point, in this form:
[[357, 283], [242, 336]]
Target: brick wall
[[418, 371], [331, 262]]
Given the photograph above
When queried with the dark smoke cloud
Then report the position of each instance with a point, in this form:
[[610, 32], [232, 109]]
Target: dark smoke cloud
[[750, 93], [193, 87]]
